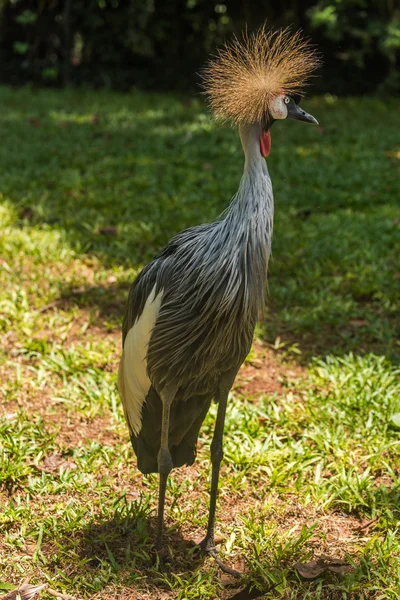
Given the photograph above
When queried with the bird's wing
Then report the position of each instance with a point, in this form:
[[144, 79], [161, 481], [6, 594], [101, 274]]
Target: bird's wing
[[140, 317], [143, 308], [133, 380], [155, 274]]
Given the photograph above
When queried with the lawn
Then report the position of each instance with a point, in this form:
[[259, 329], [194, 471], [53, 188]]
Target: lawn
[[92, 184]]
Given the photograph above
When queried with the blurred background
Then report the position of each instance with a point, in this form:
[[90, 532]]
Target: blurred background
[[155, 44]]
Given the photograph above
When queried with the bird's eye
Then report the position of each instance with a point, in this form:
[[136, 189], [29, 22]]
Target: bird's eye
[[287, 100]]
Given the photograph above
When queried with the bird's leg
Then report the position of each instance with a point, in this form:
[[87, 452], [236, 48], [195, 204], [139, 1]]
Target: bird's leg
[[217, 454], [164, 463]]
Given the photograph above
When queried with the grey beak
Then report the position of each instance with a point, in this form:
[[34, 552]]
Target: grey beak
[[295, 112]]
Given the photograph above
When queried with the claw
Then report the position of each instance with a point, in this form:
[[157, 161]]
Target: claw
[[209, 548], [225, 568]]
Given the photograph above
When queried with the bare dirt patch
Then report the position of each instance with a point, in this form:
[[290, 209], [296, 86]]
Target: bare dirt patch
[[265, 373]]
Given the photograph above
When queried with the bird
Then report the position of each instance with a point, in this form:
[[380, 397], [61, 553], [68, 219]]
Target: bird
[[192, 310]]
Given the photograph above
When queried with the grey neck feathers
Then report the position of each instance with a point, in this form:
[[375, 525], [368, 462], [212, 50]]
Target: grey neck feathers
[[254, 197], [249, 217], [254, 161]]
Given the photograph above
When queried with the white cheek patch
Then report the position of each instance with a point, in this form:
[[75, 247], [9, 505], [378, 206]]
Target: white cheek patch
[[278, 108], [133, 380]]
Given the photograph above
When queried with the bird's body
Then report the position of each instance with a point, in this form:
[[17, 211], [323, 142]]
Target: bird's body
[[191, 312], [206, 288]]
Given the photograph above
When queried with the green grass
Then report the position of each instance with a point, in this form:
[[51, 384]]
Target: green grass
[[91, 186]]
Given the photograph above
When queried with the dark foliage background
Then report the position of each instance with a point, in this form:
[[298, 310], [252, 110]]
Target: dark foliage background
[[163, 43]]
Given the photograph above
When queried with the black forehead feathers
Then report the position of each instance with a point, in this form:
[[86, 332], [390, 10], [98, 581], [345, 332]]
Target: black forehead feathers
[[296, 98]]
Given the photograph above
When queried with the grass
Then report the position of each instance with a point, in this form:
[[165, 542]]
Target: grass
[[92, 185]]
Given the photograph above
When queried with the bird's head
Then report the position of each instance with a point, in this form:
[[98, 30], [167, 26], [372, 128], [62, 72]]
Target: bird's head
[[281, 107], [258, 80]]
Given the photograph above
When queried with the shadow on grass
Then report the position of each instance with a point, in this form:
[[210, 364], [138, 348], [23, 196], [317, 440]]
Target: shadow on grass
[[129, 544], [108, 301], [317, 340]]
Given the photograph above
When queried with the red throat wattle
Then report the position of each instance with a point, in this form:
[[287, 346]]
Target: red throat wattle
[[265, 143]]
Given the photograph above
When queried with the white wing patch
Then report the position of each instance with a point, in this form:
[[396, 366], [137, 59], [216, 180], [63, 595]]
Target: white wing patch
[[133, 380]]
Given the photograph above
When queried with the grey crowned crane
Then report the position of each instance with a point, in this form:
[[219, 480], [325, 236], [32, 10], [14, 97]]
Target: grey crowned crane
[[192, 310]]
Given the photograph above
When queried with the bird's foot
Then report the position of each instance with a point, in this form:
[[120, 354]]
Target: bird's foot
[[160, 558], [207, 546]]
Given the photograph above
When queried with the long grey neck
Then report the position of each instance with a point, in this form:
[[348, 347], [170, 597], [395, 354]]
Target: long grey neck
[[253, 203], [249, 218], [254, 164]]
